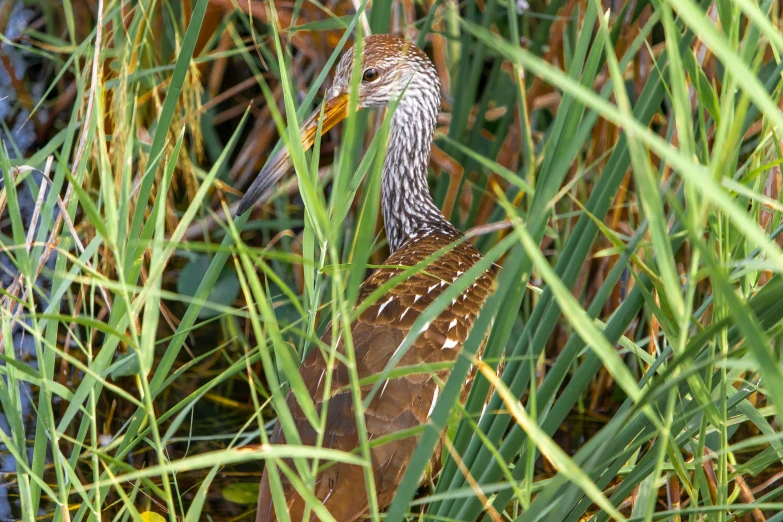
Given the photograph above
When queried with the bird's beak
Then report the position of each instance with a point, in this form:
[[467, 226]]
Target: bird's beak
[[335, 110]]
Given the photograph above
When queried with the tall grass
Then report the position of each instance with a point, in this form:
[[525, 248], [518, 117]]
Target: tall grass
[[619, 161]]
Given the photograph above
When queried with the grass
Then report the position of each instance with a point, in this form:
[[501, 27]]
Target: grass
[[622, 166]]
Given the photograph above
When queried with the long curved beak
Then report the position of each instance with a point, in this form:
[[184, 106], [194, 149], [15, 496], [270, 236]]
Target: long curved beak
[[335, 110]]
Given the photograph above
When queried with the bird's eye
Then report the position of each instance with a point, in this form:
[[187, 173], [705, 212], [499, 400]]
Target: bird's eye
[[370, 75]]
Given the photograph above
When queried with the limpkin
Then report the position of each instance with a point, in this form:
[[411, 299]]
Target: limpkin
[[392, 70]]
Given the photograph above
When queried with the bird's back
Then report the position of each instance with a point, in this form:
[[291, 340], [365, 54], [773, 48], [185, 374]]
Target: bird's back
[[403, 402]]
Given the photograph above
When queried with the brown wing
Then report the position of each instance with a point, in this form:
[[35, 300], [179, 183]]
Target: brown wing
[[403, 402]]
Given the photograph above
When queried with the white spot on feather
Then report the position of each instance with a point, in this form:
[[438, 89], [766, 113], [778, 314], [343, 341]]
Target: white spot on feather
[[450, 343], [452, 324], [416, 298], [434, 400], [430, 288], [380, 310]]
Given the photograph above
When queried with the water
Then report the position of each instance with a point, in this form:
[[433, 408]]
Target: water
[[19, 143]]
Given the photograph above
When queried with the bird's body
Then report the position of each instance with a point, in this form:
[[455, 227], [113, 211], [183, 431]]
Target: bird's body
[[416, 230]]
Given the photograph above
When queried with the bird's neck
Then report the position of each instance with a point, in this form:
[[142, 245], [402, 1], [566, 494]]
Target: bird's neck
[[408, 208]]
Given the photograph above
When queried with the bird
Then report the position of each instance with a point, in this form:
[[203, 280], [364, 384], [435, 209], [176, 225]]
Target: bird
[[394, 71]]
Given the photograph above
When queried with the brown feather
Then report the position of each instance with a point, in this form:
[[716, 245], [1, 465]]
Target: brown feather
[[405, 401]]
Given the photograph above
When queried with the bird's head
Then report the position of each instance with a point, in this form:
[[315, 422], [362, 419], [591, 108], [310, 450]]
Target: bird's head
[[389, 67], [392, 69]]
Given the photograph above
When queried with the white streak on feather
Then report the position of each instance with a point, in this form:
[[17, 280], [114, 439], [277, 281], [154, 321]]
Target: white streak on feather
[[380, 310], [424, 328], [434, 400]]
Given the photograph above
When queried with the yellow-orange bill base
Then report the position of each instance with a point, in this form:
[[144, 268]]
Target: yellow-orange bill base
[[335, 110]]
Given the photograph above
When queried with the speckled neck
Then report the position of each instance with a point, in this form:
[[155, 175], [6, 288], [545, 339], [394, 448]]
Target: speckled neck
[[408, 208]]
